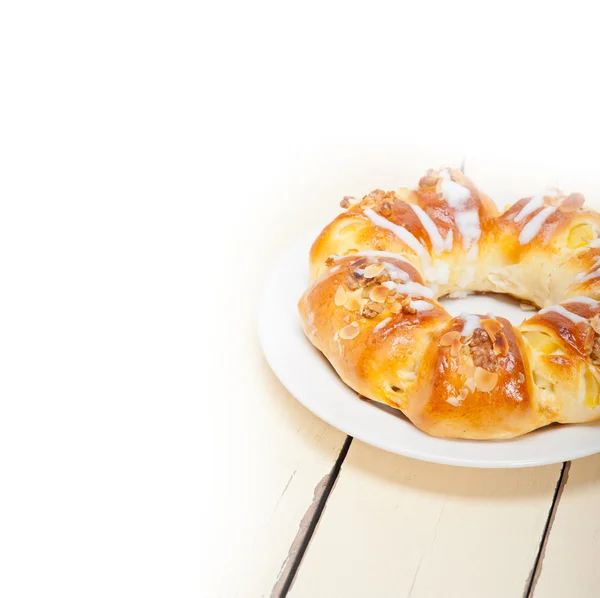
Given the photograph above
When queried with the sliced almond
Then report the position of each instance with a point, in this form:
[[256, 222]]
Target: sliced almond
[[492, 327], [448, 339], [340, 296], [428, 181], [351, 200], [349, 332], [455, 346], [470, 384], [500, 345], [396, 308], [485, 381], [520, 377], [374, 270], [572, 203], [595, 323], [469, 368], [352, 304], [378, 294]]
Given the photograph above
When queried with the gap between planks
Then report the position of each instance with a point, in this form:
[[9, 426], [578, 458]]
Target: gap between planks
[[539, 557], [308, 526]]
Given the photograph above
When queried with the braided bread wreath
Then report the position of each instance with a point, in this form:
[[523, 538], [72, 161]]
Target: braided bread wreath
[[379, 267]]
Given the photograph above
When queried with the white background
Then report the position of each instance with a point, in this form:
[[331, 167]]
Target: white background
[[153, 157]]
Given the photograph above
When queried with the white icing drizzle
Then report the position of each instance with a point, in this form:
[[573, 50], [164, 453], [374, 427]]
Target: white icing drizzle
[[471, 322], [586, 300], [559, 309], [421, 305], [535, 203], [381, 324], [532, 228], [396, 272], [456, 195], [467, 221], [581, 277], [438, 243], [594, 243], [404, 235], [414, 288], [468, 225], [389, 284]]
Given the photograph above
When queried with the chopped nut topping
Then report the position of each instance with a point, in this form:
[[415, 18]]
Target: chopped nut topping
[[378, 294], [572, 203], [352, 283], [372, 309], [409, 309], [345, 203], [329, 261], [340, 296], [349, 332], [521, 377], [385, 209], [374, 270], [482, 350], [428, 181], [448, 338], [595, 323], [485, 380], [463, 394]]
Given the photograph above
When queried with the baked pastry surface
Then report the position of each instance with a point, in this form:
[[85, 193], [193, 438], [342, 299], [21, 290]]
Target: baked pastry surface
[[378, 269]]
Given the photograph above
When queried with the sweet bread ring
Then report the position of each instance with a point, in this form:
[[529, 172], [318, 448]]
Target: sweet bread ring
[[378, 269]]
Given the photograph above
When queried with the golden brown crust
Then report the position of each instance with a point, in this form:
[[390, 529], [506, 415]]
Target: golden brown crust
[[371, 307]]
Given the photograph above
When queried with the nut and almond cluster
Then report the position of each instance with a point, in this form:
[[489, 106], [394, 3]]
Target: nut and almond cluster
[[483, 347], [364, 293], [381, 201]]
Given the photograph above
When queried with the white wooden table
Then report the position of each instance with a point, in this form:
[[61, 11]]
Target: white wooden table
[[340, 518]]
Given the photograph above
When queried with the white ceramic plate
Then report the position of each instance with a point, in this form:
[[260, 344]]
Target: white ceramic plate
[[306, 373]]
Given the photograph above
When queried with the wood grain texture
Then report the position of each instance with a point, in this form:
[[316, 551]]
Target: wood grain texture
[[398, 527], [569, 565]]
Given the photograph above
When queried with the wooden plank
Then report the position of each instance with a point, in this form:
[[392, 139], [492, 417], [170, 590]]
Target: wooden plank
[[569, 563], [398, 527]]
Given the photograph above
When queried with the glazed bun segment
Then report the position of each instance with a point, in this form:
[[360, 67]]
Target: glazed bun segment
[[378, 269]]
